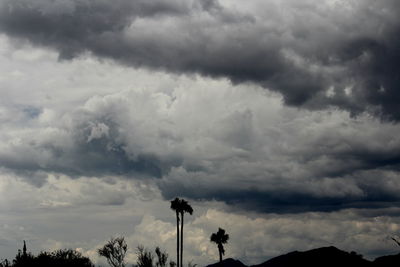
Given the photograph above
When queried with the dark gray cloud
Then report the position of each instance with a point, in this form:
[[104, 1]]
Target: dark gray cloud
[[92, 146], [316, 55], [72, 26], [245, 150], [360, 191]]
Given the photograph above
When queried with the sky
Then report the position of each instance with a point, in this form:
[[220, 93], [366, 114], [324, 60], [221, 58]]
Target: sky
[[277, 120]]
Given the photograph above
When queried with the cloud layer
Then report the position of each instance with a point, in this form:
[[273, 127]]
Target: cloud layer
[[247, 109], [330, 53], [238, 146]]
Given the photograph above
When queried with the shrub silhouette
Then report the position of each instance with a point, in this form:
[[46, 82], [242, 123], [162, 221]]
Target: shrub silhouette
[[114, 251], [5, 263], [23, 258], [59, 258], [145, 258], [162, 258], [63, 258]]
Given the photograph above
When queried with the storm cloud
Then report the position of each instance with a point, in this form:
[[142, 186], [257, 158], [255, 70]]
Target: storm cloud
[[276, 120], [236, 147], [329, 53]]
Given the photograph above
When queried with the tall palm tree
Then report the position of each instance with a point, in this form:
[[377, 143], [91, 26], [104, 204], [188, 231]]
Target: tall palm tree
[[176, 205], [185, 207], [220, 238]]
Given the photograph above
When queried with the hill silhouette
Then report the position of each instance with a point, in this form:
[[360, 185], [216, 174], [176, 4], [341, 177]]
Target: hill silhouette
[[388, 261], [228, 263], [325, 256]]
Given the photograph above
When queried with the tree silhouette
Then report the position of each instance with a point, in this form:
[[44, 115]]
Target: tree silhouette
[[59, 258], [24, 254], [220, 238], [144, 257], [180, 206], [176, 206], [63, 258], [23, 258], [162, 258], [5, 263], [185, 207], [114, 251]]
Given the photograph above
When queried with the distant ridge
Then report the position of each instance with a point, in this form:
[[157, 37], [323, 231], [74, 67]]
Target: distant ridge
[[388, 261], [326, 257], [228, 263], [320, 257]]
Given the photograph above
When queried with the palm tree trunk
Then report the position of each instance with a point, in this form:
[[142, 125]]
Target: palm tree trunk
[[220, 254], [177, 238], [182, 239]]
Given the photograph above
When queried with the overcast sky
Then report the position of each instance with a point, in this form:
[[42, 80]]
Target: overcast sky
[[277, 120]]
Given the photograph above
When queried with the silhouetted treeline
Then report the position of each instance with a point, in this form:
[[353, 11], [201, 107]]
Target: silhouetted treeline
[[59, 258]]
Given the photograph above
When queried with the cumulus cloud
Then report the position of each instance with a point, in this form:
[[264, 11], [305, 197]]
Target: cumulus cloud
[[330, 53], [241, 147]]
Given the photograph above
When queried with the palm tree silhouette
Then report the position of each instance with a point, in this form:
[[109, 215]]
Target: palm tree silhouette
[[185, 207], [180, 206], [176, 206], [220, 238]]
